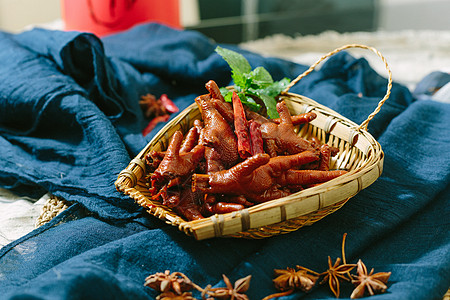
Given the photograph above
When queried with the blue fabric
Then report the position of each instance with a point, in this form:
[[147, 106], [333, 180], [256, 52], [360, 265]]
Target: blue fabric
[[431, 83], [70, 122]]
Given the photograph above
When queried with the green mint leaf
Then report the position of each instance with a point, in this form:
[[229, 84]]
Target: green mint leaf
[[238, 63], [269, 102], [249, 101], [228, 96], [276, 87], [243, 81], [257, 82], [261, 78], [224, 91], [271, 105]]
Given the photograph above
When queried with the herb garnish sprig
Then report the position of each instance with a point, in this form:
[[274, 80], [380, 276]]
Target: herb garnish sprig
[[247, 83]]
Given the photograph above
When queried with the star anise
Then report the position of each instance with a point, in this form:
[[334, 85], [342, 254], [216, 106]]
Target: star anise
[[229, 292], [335, 273], [151, 106], [169, 282], [175, 296], [302, 279], [290, 280], [373, 283]]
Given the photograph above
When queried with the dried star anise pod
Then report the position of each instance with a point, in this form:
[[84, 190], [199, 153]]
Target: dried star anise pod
[[335, 273], [175, 296], [151, 106], [169, 282], [229, 292], [302, 279], [374, 283], [289, 280]]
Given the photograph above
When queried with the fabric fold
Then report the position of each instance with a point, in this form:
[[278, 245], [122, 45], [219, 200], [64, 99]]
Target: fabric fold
[[70, 121]]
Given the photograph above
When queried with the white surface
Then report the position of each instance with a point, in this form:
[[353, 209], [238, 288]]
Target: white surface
[[189, 13], [395, 15], [410, 54], [18, 215], [18, 14], [390, 15]]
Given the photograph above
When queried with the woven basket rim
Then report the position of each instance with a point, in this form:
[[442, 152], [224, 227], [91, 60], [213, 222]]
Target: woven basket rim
[[125, 182], [346, 134]]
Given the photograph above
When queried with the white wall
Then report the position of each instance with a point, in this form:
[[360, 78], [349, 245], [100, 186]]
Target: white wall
[[15, 15], [396, 15]]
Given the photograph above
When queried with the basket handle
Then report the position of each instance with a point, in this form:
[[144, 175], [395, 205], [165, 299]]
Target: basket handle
[[389, 86]]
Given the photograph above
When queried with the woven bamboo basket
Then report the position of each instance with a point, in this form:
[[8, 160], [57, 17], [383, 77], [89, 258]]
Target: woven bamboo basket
[[359, 153]]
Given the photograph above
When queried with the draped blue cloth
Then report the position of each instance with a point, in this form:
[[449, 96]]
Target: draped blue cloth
[[70, 122]]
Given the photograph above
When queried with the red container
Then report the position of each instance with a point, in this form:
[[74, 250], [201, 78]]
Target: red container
[[103, 17]]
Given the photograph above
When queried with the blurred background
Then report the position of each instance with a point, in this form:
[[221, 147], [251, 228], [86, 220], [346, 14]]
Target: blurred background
[[413, 35], [256, 19], [236, 21]]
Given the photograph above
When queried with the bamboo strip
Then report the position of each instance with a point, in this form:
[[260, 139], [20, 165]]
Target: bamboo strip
[[297, 206], [359, 153]]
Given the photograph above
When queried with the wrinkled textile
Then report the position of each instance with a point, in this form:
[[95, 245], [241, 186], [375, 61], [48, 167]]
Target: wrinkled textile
[[70, 122]]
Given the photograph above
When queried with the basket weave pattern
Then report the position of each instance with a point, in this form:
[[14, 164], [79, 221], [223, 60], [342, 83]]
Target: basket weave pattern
[[359, 153]]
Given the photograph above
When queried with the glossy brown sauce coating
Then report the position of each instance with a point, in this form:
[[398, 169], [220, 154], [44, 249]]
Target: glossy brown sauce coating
[[234, 158]]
